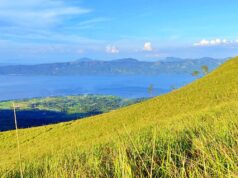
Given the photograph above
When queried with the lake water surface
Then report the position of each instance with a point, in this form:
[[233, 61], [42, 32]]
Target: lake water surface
[[20, 87]]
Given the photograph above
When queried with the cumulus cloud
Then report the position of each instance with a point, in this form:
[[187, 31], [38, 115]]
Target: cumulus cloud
[[148, 46], [112, 49], [214, 42]]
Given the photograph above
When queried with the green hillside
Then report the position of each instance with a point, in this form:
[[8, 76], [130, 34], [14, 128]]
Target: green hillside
[[190, 132], [71, 104], [51, 110]]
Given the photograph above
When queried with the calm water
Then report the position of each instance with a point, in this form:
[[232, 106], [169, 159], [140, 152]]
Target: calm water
[[20, 87]]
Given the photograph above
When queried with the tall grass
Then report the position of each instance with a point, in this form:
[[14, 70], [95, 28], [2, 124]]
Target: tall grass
[[208, 147], [17, 139]]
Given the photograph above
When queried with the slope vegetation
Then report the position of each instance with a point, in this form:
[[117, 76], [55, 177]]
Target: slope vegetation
[[189, 132], [51, 110]]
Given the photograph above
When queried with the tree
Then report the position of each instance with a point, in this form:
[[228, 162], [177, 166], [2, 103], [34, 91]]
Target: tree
[[195, 73], [205, 70], [173, 87], [150, 89]]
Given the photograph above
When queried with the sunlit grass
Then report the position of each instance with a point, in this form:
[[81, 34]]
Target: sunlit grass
[[191, 132]]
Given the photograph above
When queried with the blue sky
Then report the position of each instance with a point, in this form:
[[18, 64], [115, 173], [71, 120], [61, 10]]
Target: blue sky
[[62, 30]]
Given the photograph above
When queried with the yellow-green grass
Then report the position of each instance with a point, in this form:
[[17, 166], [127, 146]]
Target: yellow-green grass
[[193, 134]]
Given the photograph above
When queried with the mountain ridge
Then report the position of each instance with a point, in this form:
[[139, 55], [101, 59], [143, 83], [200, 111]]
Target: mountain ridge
[[125, 66]]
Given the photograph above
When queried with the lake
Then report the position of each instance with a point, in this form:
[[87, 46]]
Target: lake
[[21, 87]]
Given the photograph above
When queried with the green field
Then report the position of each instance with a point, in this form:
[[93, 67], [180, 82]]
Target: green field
[[190, 132], [51, 110], [71, 104]]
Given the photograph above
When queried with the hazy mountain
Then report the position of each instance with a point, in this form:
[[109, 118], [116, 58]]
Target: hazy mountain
[[85, 59], [126, 66]]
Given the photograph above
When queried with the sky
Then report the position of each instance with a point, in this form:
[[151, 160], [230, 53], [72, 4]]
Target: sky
[[37, 31]]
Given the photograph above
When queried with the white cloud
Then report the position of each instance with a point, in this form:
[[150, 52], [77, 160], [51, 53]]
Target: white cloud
[[214, 42], [92, 21], [44, 21], [112, 49], [148, 46], [37, 13]]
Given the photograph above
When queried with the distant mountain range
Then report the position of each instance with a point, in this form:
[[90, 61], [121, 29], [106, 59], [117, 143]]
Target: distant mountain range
[[126, 66]]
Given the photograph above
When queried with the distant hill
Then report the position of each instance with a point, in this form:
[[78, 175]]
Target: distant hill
[[127, 66], [85, 59]]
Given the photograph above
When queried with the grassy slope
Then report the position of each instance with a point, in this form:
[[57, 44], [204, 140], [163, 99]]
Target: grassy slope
[[215, 92]]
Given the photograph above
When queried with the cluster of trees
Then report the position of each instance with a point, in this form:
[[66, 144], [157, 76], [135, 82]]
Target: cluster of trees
[[204, 71]]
